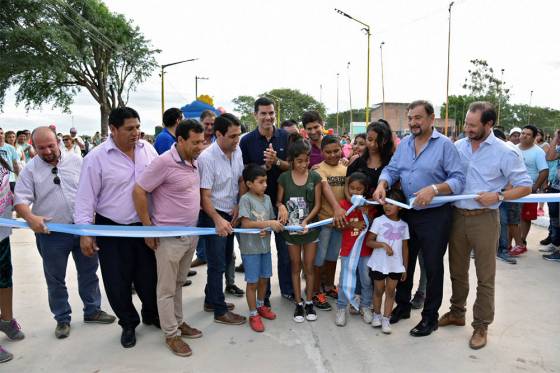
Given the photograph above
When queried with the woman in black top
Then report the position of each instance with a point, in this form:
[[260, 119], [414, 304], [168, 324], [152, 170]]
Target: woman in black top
[[378, 153]]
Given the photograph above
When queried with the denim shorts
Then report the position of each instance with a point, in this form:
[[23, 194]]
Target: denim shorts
[[330, 240], [257, 266], [5, 264]]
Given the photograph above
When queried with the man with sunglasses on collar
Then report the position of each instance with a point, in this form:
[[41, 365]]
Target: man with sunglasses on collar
[[49, 182]]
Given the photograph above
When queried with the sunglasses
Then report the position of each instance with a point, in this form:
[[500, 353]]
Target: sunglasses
[[56, 179]]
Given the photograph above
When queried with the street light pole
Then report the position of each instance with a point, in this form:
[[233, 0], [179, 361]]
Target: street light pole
[[196, 79], [448, 58], [367, 30], [162, 80], [337, 75], [500, 96], [382, 80], [529, 108], [349, 94]]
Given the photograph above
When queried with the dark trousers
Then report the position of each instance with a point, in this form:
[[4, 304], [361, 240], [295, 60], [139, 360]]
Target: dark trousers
[[219, 251], [429, 232], [553, 213], [125, 261], [55, 248]]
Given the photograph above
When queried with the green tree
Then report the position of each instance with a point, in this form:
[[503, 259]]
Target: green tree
[[293, 103], [244, 105], [52, 49]]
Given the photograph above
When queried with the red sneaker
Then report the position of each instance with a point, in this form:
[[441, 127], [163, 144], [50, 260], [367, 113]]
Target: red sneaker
[[256, 323], [266, 312], [518, 250]]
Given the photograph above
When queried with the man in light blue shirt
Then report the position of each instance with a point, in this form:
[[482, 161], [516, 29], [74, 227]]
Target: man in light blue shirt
[[427, 164], [490, 165], [535, 161]]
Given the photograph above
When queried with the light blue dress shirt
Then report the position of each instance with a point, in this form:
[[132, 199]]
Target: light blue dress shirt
[[438, 162], [489, 169]]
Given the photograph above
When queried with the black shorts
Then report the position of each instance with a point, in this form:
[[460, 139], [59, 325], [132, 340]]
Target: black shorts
[[378, 276], [5, 264]]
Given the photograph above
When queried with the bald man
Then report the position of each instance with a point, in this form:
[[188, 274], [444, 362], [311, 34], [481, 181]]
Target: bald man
[[49, 182]]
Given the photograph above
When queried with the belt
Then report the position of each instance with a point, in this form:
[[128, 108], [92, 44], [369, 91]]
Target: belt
[[474, 212]]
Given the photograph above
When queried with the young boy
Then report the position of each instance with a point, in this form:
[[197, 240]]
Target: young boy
[[255, 211], [333, 175]]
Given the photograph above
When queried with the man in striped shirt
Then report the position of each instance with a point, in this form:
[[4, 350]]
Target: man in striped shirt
[[220, 167]]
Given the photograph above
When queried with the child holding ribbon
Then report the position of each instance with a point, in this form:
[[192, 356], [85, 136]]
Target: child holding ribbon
[[389, 238], [299, 201], [354, 254]]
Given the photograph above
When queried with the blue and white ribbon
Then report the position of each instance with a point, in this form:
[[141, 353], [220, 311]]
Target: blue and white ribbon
[[349, 271]]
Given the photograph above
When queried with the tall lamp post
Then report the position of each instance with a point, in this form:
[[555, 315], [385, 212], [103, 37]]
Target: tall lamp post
[[163, 78], [448, 58], [500, 97], [337, 75], [367, 30], [529, 108], [382, 80], [196, 79], [349, 94]]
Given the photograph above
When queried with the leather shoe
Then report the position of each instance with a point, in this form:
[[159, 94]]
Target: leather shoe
[[451, 319], [187, 283], [154, 322], [478, 339], [128, 338], [424, 328], [191, 273], [230, 318], [210, 308], [400, 312], [198, 262]]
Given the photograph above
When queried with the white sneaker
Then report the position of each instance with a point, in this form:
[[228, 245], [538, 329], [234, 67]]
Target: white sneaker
[[340, 317], [367, 316], [385, 325], [376, 320], [550, 248]]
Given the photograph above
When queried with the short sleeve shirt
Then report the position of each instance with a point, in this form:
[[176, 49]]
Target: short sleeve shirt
[[175, 187], [255, 208], [392, 233], [535, 161], [10, 154], [299, 201], [350, 234], [335, 176]]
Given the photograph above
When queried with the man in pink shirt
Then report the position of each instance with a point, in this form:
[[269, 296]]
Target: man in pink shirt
[[173, 180], [109, 173]]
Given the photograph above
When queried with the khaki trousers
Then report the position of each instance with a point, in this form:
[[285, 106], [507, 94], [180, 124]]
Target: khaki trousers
[[479, 233], [173, 257]]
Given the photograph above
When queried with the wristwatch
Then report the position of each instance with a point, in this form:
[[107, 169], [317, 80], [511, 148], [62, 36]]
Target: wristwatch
[[501, 196]]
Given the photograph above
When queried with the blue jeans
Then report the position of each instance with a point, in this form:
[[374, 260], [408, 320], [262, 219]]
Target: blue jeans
[[330, 240], [218, 253], [54, 248], [364, 283], [503, 242], [201, 254]]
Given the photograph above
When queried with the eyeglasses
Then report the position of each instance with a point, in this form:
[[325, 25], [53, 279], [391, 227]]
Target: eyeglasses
[[56, 179]]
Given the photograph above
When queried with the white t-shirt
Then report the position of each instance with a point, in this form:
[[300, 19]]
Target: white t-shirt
[[392, 233]]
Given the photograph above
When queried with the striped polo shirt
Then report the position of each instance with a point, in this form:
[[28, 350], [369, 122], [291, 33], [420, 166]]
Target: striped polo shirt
[[221, 175]]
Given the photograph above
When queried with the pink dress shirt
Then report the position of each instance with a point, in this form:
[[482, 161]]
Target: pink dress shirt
[[107, 181]]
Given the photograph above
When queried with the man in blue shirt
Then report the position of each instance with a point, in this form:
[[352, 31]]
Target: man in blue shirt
[[427, 164], [268, 146], [490, 165], [166, 138]]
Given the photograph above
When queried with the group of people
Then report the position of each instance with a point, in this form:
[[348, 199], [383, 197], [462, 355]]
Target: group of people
[[272, 181]]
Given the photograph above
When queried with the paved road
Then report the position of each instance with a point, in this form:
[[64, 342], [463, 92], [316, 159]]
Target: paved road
[[524, 337]]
